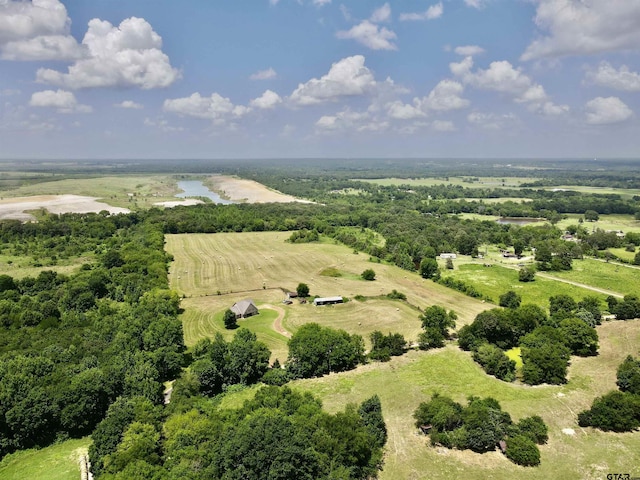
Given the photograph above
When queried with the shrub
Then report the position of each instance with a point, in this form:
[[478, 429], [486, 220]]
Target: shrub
[[495, 362], [615, 411], [534, 428], [526, 274], [276, 376], [368, 274], [522, 451], [629, 376]]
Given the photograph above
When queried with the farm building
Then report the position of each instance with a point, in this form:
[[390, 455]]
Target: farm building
[[327, 301], [452, 256], [244, 308]]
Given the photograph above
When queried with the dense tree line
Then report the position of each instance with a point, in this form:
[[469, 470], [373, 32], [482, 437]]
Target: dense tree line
[[70, 345], [279, 434]]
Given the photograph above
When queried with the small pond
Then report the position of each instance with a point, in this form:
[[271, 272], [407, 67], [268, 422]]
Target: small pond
[[195, 188]]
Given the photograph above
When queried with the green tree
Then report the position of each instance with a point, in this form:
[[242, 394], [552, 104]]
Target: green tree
[[546, 363], [534, 428], [628, 375], [368, 274], [526, 274], [580, 338], [230, 320], [591, 216], [615, 411], [248, 358], [302, 290], [523, 451], [510, 299], [429, 268], [436, 322], [371, 412], [441, 412]]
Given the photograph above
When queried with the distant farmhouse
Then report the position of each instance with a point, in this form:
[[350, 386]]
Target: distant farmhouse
[[452, 256], [244, 308], [327, 301]]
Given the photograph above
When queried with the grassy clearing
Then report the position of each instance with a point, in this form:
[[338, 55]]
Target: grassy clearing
[[483, 182], [599, 274], [113, 190], [202, 318], [623, 254], [57, 462], [625, 193], [515, 354], [626, 223], [496, 280], [240, 264], [20, 266], [406, 381]]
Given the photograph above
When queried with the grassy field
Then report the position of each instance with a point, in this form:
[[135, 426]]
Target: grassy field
[[610, 276], [623, 254], [240, 264], [625, 193], [496, 280], [406, 381], [625, 223], [113, 190], [483, 182], [57, 462]]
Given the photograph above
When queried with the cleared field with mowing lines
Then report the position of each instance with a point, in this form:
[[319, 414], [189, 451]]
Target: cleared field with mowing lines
[[406, 381], [203, 318], [239, 264]]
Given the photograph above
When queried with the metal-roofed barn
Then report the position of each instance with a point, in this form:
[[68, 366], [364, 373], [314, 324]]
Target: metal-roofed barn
[[244, 308]]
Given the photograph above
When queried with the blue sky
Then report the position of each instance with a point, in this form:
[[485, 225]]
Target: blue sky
[[316, 78]]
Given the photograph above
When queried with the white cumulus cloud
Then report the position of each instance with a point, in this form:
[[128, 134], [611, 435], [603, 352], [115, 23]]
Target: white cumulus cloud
[[36, 30], [128, 55], [347, 77], [468, 50], [267, 74], [585, 27], [266, 101], [129, 104], [503, 77], [431, 13], [217, 108], [621, 79], [382, 14], [61, 100], [475, 3], [370, 35], [604, 111]]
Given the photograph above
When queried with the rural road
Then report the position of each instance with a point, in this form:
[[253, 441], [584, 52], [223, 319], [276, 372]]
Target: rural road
[[277, 323]]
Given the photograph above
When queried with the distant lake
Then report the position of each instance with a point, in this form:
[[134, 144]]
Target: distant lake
[[518, 220], [195, 188]]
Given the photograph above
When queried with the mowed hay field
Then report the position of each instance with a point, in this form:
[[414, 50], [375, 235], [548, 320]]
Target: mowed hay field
[[240, 265]]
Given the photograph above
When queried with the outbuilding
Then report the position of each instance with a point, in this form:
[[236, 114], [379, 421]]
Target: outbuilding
[[327, 300], [244, 308]]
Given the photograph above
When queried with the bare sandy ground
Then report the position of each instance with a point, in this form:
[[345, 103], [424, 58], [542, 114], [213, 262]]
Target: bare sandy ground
[[187, 202], [15, 208], [241, 190]]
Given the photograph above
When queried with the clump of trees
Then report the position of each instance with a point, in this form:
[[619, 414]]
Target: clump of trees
[[436, 322], [625, 309], [219, 364], [304, 236], [315, 351], [617, 411], [547, 342], [383, 347], [481, 426]]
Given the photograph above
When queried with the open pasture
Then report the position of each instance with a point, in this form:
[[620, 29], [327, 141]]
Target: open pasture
[[56, 462], [495, 280], [625, 193], [482, 182], [625, 223], [600, 274], [244, 263], [406, 381]]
